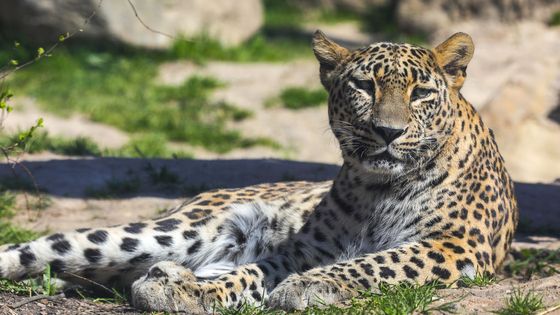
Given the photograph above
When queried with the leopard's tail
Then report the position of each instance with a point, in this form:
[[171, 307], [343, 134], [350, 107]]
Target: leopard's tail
[[109, 256]]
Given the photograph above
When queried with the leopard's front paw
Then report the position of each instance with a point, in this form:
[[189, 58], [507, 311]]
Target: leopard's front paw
[[168, 287], [299, 291]]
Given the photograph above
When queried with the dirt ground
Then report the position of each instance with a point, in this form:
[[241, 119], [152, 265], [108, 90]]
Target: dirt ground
[[59, 305], [484, 300]]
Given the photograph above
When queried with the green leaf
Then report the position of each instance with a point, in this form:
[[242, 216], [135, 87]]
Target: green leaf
[[14, 62], [40, 51], [63, 37]]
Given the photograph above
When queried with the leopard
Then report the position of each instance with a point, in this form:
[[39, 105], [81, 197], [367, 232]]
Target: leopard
[[422, 195]]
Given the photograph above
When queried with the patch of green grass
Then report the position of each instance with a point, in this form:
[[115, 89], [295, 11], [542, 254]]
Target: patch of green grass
[[46, 285], [246, 309], [11, 234], [480, 280], [554, 19], [533, 262], [519, 303], [27, 287], [261, 47], [280, 39], [17, 287], [150, 145], [41, 141], [403, 299], [120, 90], [381, 19], [144, 146], [8, 232], [282, 14], [115, 187], [7, 203], [299, 97]]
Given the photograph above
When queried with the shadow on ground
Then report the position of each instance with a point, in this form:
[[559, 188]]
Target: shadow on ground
[[170, 178], [167, 178]]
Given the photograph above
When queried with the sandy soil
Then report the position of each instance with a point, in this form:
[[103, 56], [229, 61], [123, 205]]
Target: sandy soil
[[492, 298], [59, 305]]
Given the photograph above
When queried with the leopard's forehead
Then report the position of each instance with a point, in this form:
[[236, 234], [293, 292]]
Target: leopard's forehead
[[393, 62]]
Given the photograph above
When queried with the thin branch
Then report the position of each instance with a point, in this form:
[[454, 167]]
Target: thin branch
[[146, 25], [5, 74], [7, 308], [36, 298], [90, 281], [550, 309]]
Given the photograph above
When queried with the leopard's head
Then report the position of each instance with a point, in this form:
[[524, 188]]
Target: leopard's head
[[393, 106]]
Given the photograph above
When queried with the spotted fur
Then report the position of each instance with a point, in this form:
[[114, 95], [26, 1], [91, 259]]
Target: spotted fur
[[422, 195]]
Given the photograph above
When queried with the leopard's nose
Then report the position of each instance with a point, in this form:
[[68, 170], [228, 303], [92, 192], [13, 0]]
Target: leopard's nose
[[155, 273], [388, 134]]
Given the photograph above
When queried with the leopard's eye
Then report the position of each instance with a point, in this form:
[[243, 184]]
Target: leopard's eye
[[420, 93], [364, 85]]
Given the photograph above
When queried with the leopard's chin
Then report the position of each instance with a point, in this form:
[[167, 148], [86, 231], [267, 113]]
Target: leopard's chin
[[384, 163], [383, 167]]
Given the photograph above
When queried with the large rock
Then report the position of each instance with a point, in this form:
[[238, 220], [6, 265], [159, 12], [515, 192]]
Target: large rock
[[514, 81], [427, 16], [42, 21]]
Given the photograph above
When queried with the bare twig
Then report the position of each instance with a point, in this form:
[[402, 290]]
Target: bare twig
[[4, 74], [146, 25], [36, 298], [7, 308], [550, 309], [90, 281]]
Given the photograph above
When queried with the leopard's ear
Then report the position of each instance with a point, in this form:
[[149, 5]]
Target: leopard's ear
[[329, 54], [453, 56]]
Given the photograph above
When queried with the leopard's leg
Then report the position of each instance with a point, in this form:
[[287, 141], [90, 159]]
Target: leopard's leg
[[445, 261], [174, 288], [171, 287]]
